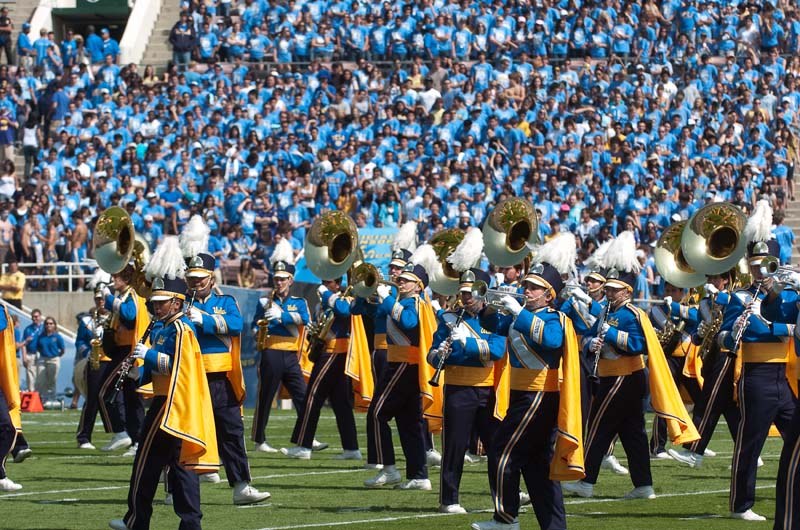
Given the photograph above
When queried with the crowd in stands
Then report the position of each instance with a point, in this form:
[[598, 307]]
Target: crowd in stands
[[607, 115]]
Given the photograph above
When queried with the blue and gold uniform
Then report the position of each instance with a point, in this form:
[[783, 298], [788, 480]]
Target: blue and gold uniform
[[786, 308], [679, 350], [328, 380], [10, 404], [91, 326], [542, 348], [583, 317], [764, 392], [179, 430], [279, 364], [129, 318], [469, 390]]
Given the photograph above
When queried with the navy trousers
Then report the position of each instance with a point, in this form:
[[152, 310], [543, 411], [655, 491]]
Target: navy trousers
[[126, 413], [617, 410], [157, 451], [379, 367], [467, 409], [8, 433], [658, 438], [327, 381], [787, 495], [94, 382], [276, 367], [230, 428], [764, 398], [399, 399], [523, 445], [717, 400]]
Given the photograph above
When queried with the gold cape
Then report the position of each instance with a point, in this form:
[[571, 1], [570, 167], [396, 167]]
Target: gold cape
[[9, 377], [358, 365]]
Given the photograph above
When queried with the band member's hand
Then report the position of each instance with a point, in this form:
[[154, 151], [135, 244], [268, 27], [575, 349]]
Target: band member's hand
[[433, 357], [499, 278], [460, 334], [793, 281], [511, 305], [140, 351], [195, 316], [582, 296], [383, 292], [740, 323], [595, 344], [106, 291], [264, 301], [436, 306], [710, 289], [604, 329], [321, 290], [667, 301], [273, 313]]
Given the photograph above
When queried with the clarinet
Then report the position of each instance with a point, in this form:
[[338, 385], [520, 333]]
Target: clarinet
[[127, 363], [737, 339], [445, 348], [594, 378]]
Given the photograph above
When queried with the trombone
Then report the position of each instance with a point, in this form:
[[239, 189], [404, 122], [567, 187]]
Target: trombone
[[493, 297]]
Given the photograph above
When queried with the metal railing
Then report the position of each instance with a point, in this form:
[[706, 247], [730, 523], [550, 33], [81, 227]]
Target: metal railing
[[75, 273]]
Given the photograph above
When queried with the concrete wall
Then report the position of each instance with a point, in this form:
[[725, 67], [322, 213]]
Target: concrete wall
[[62, 306]]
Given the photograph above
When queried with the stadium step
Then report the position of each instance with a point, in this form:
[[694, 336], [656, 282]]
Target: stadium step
[[158, 51]]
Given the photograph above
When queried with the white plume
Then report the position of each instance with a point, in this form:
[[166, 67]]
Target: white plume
[[425, 256], [560, 252], [283, 252], [99, 276], [621, 253], [167, 260], [596, 262], [468, 253], [759, 225], [406, 237], [194, 237]]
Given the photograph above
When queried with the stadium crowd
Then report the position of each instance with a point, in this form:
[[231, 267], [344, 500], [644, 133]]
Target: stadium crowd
[[607, 115]]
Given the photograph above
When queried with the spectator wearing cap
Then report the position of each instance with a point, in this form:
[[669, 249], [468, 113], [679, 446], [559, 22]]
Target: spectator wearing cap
[[25, 47], [153, 208], [110, 46], [151, 232]]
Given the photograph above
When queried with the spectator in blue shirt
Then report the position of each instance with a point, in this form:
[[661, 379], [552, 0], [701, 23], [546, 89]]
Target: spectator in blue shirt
[[50, 347]]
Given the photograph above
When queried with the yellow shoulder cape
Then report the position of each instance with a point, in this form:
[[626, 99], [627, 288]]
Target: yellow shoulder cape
[[358, 365], [664, 395], [567, 463], [188, 413], [9, 377], [431, 395]]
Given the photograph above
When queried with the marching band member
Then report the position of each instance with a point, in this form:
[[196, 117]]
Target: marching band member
[[93, 323], [718, 373], [329, 380], [619, 339], [218, 323], [677, 348], [764, 392], [408, 331], [469, 399], [10, 418], [129, 319], [178, 430], [361, 306], [541, 347], [286, 315]]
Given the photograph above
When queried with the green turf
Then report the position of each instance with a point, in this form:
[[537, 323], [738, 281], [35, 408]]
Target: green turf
[[65, 488]]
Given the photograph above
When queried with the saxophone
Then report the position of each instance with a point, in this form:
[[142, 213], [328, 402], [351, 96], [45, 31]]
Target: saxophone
[[713, 328], [97, 341], [671, 335], [262, 336], [318, 329]]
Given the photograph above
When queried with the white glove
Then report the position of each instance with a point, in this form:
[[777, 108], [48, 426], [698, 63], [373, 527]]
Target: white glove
[[383, 291], [499, 278], [582, 296], [667, 301], [740, 322], [460, 334], [604, 329], [139, 351], [710, 289], [264, 301], [793, 281], [106, 291], [433, 358], [436, 306], [511, 305], [322, 290], [595, 344], [195, 316], [273, 313]]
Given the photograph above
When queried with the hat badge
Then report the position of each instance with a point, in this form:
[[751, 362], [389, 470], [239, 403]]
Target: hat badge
[[197, 261], [158, 284]]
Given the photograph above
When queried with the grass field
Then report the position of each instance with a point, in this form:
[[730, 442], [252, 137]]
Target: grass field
[[65, 488]]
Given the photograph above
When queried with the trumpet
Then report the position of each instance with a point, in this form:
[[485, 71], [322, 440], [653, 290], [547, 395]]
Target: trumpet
[[366, 278], [493, 297], [445, 348]]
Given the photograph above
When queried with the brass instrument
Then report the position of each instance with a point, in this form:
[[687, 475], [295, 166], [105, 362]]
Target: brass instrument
[[366, 278], [444, 279], [331, 245], [492, 297], [116, 244], [713, 240], [670, 336], [446, 347], [97, 340], [713, 328], [262, 336], [318, 329], [670, 261], [511, 229]]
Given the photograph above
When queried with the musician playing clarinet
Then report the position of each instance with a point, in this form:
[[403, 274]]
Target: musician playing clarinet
[[219, 323], [469, 353]]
